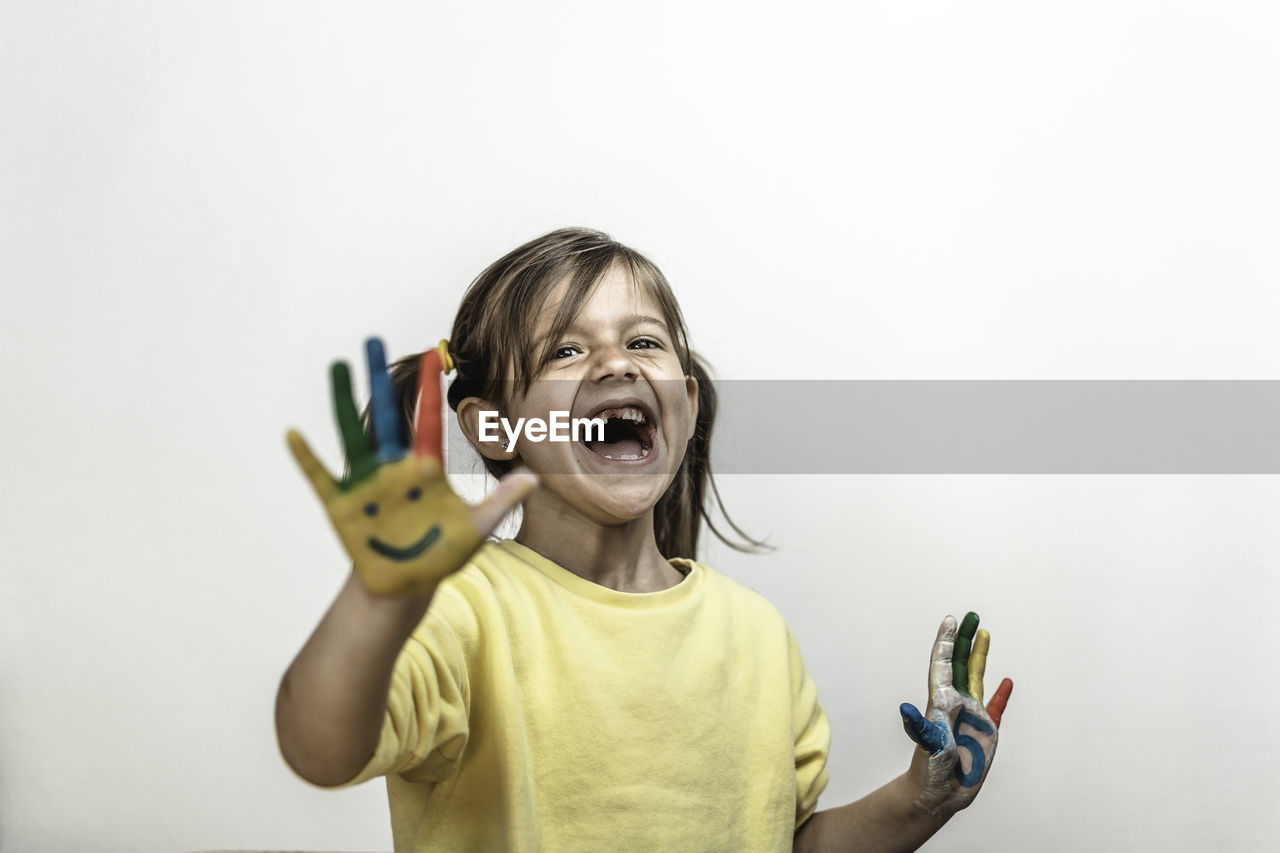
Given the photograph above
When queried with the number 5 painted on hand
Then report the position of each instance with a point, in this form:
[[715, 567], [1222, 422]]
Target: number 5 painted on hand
[[959, 734]]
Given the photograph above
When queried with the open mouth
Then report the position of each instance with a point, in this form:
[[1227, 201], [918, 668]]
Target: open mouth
[[629, 432]]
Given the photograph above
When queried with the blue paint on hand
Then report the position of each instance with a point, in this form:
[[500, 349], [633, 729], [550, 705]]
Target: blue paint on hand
[[932, 736], [386, 423], [978, 758]]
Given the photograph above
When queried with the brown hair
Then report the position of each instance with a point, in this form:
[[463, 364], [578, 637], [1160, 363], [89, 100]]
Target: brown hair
[[493, 331]]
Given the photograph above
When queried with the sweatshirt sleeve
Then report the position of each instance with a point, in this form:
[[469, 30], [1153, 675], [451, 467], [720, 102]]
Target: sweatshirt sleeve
[[425, 726], [812, 736]]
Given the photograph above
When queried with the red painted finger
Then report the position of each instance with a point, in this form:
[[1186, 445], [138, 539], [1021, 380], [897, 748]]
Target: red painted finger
[[995, 708], [428, 437]]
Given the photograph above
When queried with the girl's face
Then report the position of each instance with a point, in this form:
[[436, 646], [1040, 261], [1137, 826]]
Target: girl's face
[[616, 361]]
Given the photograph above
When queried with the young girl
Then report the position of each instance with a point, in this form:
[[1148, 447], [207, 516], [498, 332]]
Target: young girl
[[587, 685]]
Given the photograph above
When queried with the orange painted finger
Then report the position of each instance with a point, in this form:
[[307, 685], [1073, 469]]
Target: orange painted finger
[[995, 708], [428, 439]]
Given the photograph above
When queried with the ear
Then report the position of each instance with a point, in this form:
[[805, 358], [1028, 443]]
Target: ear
[[479, 420], [691, 388]]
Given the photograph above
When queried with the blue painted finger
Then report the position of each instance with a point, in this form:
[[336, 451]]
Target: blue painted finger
[[932, 736], [386, 423]]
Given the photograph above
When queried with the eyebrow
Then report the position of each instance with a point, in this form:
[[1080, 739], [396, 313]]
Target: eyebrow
[[627, 322]]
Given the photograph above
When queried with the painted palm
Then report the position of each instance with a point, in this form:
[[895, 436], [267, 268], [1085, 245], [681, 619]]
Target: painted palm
[[958, 735], [402, 525]]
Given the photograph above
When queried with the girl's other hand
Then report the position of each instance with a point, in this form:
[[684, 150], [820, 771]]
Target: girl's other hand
[[403, 526], [957, 740]]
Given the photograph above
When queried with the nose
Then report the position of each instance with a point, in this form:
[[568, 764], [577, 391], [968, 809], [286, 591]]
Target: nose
[[614, 363]]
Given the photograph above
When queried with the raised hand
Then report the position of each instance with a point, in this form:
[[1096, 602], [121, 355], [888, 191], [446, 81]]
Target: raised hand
[[957, 740], [403, 526]]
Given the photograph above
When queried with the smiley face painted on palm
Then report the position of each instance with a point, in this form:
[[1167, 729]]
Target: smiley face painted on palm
[[397, 517], [393, 526]]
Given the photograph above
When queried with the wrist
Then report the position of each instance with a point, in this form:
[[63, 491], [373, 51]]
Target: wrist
[[911, 802], [402, 612]]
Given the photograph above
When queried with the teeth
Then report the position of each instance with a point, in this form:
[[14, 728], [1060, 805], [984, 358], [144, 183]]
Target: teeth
[[630, 457], [629, 413]]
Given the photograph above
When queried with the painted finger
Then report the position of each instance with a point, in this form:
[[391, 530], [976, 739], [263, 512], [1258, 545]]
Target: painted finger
[[428, 438], [940, 658], [925, 733], [356, 444], [995, 710], [513, 488], [960, 658], [978, 663], [323, 484], [386, 421]]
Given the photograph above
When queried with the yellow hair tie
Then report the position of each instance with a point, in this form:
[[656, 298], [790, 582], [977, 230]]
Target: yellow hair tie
[[446, 360]]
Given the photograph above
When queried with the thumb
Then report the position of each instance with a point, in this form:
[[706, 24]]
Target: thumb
[[932, 735], [512, 489], [313, 468]]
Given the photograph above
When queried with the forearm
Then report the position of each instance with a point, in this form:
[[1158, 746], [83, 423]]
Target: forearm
[[332, 699], [884, 821]]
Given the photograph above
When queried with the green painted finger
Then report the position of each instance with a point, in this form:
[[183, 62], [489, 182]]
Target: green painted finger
[[960, 658], [356, 444]]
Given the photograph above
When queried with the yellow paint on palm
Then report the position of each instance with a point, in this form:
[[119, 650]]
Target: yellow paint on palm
[[978, 663], [404, 527]]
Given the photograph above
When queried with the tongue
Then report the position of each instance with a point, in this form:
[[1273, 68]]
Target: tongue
[[623, 447]]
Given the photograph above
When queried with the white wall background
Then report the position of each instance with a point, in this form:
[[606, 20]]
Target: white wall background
[[202, 204]]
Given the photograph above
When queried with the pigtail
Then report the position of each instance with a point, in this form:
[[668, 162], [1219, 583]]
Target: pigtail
[[492, 334], [678, 516]]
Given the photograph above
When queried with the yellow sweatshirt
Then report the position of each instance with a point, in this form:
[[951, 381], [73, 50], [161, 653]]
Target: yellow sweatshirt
[[535, 710]]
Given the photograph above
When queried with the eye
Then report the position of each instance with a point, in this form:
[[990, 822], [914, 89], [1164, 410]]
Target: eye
[[646, 343], [565, 351], [371, 509], [414, 493]]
